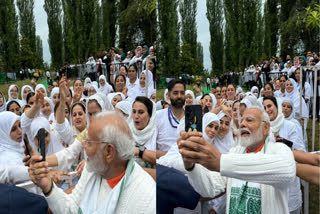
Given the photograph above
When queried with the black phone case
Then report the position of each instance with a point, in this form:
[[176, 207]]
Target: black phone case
[[193, 117], [26, 143], [42, 145]]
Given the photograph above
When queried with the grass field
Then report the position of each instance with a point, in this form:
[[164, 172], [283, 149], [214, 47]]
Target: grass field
[[314, 196]]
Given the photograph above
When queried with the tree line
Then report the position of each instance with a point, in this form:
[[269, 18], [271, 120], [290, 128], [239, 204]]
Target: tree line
[[242, 33], [78, 29]]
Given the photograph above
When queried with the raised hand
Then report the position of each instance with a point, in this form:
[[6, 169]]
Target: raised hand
[[39, 99], [80, 167], [124, 91], [195, 149], [63, 90], [77, 95]]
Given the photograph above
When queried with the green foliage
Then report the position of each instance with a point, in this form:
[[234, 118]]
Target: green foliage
[[187, 63], [109, 17], [137, 23], [55, 40], [271, 19], [28, 58], [168, 42], [9, 38], [241, 32], [313, 17], [27, 23], [188, 12], [215, 18]]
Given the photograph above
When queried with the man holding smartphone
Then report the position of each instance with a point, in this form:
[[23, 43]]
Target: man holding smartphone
[[255, 182]]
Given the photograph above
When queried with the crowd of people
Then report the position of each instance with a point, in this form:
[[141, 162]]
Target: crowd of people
[[112, 147]]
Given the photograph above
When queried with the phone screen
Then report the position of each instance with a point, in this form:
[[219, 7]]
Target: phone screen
[[42, 144], [193, 118]]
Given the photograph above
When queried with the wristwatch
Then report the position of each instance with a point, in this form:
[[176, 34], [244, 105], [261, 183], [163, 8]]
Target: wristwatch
[[141, 151]]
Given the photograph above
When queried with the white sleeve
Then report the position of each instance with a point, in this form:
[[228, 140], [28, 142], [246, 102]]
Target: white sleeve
[[26, 123], [13, 174], [68, 156], [62, 203], [206, 183], [275, 168], [64, 131], [296, 138], [307, 91]]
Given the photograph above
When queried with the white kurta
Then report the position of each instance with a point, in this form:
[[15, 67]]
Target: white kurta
[[273, 171], [137, 197]]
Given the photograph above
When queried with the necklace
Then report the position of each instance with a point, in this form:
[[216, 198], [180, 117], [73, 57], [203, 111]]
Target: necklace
[[170, 115]]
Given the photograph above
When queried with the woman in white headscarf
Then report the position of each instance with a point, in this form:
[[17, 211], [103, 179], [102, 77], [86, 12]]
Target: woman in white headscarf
[[125, 108], [13, 94], [210, 126], [42, 88], [143, 129], [189, 97], [114, 98], [24, 92], [11, 150], [255, 91], [47, 108], [87, 82], [54, 96], [223, 142], [287, 110], [140, 90], [51, 141], [293, 94], [104, 88], [2, 102], [93, 89], [208, 102], [285, 130]]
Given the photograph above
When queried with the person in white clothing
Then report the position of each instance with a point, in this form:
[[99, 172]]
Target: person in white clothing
[[111, 181], [132, 81], [284, 131], [255, 174]]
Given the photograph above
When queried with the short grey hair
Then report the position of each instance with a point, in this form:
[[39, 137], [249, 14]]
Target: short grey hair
[[265, 116], [114, 134]]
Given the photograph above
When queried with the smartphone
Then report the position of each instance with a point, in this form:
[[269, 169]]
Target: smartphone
[[26, 143], [41, 143], [193, 118]]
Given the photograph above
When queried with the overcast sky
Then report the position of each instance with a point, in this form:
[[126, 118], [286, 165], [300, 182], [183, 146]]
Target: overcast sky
[[202, 25]]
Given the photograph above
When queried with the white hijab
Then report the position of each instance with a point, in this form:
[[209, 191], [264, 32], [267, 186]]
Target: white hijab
[[94, 86], [294, 95], [6, 143], [277, 123], [54, 91], [112, 95], [126, 107], [206, 120], [9, 95], [165, 93], [23, 101], [41, 86], [141, 137], [252, 90], [41, 122], [87, 82], [287, 100], [51, 105], [224, 143], [104, 89], [3, 107], [192, 95]]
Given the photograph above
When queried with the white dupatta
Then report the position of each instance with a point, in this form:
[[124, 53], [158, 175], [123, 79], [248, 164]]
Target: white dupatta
[[89, 200]]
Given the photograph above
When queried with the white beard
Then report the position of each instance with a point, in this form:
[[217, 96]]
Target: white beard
[[253, 139], [96, 165]]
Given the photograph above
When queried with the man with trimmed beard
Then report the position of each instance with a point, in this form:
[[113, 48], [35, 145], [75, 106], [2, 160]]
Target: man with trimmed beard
[[167, 120], [255, 174], [111, 182]]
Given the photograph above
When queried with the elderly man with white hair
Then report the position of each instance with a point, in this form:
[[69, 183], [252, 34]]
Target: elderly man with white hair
[[255, 174], [111, 181]]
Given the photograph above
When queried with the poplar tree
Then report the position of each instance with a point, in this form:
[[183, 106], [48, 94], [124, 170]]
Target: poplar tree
[[9, 38], [27, 24], [168, 31], [215, 18], [188, 12], [53, 9]]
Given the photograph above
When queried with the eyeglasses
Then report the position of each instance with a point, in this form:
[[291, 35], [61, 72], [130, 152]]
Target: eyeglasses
[[89, 142]]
